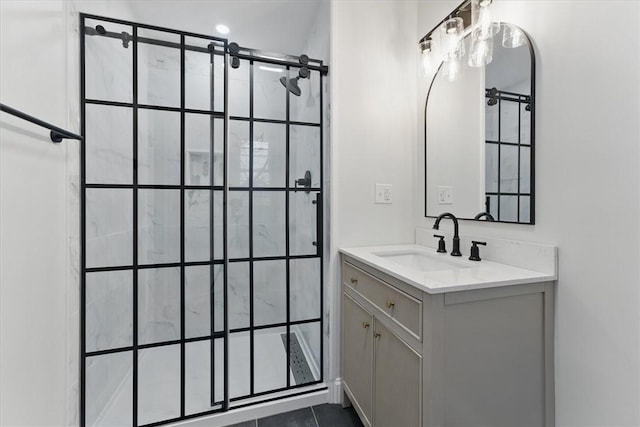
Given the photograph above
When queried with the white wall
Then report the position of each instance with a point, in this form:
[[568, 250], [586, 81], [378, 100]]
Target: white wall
[[38, 262], [373, 122], [587, 195]]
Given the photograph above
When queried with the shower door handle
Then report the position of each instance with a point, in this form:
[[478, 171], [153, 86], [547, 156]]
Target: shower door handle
[[318, 241]]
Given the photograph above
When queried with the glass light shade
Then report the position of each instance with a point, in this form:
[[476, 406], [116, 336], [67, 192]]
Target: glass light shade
[[427, 55], [451, 39], [481, 51], [481, 18], [452, 69], [512, 37]]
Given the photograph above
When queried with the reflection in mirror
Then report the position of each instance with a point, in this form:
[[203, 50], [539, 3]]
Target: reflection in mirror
[[479, 132]]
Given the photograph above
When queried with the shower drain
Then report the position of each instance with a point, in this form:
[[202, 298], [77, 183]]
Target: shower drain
[[299, 365]]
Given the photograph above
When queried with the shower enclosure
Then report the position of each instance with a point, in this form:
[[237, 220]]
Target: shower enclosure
[[201, 224]]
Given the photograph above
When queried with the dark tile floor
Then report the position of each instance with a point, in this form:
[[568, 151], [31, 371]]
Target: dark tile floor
[[326, 415]]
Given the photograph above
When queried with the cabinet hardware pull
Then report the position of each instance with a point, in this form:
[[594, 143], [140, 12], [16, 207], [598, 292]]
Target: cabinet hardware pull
[[354, 281], [365, 325], [390, 304], [378, 334]]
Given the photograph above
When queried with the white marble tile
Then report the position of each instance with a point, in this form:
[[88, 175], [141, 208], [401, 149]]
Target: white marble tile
[[302, 223], [109, 233], [109, 310], [107, 378], [238, 228], [306, 107], [239, 360], [270, 359], [269, 95], [197, 294], [238, 299], [269, 233], [304, 289], [269, 292], [158, 147], [197, 225], [304, 153], [269, 155], [158, 226], [158, 305], [158, 67], [239, 153], [109, 144], [158, 384]]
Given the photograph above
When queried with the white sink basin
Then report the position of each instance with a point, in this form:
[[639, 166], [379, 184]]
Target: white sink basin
[[421, 261]]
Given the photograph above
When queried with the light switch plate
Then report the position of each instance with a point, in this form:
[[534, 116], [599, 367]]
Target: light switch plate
[[384, 194], [445, 195]]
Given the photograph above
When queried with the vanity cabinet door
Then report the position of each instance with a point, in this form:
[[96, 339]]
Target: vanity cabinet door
[[357, 347], [398, 375]]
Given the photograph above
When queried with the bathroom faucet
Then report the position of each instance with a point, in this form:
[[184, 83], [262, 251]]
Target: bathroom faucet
[[486, 214], [456, 238]]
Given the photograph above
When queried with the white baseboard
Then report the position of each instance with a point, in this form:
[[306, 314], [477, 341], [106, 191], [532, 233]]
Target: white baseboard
[[335, 390], [259, 410]]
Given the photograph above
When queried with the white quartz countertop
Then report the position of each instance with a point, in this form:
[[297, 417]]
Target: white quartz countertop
[[453, 273]]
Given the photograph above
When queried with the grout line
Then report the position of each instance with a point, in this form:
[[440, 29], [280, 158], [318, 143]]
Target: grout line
[[314, 416]]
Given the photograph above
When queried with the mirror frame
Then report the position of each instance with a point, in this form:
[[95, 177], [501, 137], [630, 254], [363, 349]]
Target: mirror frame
[[532, 145]]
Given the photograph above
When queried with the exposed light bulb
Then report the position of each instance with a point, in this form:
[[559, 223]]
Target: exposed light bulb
[[427, 55], [222, 29]]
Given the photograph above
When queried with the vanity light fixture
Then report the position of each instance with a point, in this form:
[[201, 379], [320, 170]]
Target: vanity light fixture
[[482, 32], [452, 45]]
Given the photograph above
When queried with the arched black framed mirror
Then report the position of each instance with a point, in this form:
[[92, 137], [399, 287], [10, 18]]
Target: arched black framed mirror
[[479, 136]]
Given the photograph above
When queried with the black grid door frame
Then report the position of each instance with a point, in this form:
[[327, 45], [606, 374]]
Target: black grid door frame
[[217, 47]]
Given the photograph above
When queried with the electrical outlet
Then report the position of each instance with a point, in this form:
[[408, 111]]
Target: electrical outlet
[[384, 194], [445, 195]]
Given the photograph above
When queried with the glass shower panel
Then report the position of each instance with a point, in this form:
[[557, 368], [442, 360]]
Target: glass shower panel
[[306, 107], [509, 208], [158, 226], [305, 352], [269, 292], [109, 144], [525, 125], [269, 223], [239, 302], [159, 67], [239, 88], [270, 359], [158, 305], [302, 223], [305, 291], [238, 224], [239, 153], [108, 64], [197, 225], [158, 147], [525, 209], [509, 131], [491, 168], [109, 389], [197, 305], [304, 154], [218, 298], [109, 308], [509, 169], [525, 169], [158, 384], [199, 166], [109, 228], [269, 154], [198, 377], [269, 95], [239, 363]]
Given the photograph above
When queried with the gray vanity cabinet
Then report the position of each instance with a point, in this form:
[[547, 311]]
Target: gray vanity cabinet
[[461, 358]]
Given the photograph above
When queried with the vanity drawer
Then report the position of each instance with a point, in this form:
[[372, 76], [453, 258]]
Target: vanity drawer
[[401, 307]]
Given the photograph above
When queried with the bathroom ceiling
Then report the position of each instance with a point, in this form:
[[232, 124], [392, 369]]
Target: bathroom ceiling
[[270, 25]]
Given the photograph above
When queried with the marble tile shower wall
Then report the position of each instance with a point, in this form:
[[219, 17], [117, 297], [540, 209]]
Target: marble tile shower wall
[[109, 211]]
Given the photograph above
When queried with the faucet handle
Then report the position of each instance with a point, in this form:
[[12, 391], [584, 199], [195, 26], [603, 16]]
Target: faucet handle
[[475, 251], [441, 245]]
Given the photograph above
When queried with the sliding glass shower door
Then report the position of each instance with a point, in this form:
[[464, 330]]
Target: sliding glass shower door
[[201, 223]]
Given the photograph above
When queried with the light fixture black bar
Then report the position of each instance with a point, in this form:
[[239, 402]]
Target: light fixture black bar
[[83, 225], [135, 230], [57, 134]]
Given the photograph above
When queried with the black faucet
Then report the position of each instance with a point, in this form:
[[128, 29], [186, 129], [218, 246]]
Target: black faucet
[[456, 238], [487, 214]]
